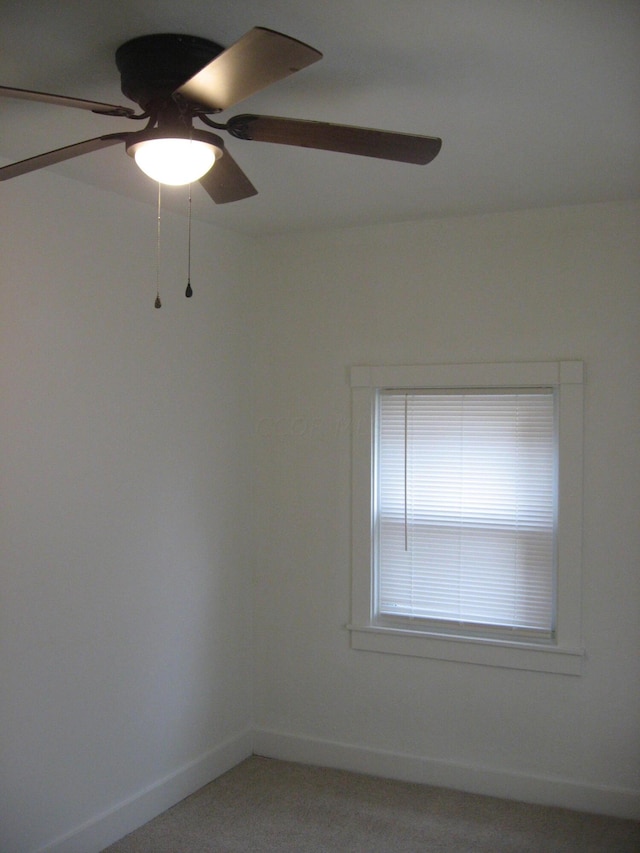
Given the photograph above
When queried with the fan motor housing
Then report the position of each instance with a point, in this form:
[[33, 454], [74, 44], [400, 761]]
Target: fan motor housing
[[153, 67]]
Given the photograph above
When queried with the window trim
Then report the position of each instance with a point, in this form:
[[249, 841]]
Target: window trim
[[564, 654]]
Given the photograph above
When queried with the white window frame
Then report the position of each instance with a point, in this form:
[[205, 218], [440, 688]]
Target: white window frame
[[564, 654]]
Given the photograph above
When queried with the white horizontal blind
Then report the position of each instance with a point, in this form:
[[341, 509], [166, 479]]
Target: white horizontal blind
[[465, 510]]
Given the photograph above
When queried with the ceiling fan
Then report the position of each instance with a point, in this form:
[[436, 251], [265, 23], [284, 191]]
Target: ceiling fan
[[176, 79]]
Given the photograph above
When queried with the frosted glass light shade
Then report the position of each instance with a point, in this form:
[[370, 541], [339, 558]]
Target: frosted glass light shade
[[175, 161]]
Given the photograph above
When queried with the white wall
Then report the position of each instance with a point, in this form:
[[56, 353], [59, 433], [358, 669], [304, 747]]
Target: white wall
[[547, 284], [126, 543], [124, 571]]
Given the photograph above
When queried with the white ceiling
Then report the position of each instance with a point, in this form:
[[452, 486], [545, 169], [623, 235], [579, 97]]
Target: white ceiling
[[537, 101]]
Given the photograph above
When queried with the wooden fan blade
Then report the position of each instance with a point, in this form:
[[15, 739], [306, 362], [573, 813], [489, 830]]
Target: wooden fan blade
[[64, 101], [226, 181], [384, 144], [41, 161], [259, 58]]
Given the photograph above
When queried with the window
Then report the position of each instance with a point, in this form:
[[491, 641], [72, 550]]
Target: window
[[467, 513], [464, 510]]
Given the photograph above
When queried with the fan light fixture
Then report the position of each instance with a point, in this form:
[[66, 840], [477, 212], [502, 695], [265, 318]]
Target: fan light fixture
[[176, 79], [175, 159]]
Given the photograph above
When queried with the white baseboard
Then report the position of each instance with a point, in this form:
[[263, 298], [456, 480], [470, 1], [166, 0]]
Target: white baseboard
[[102, 830], [96, 834], [552, 791]]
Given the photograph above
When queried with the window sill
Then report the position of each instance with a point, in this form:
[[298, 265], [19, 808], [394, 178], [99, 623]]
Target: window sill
[[486, 652]]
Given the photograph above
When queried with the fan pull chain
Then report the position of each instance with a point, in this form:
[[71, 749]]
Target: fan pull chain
[[189, 292], [158, 302]]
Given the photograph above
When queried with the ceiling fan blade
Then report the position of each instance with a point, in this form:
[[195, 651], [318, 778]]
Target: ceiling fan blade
[[227, 182], [259, 58], [367, 142], [64, 101], [41, 161]]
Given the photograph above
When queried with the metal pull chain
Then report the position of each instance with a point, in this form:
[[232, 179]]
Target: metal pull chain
[[189, 292], [158, 302]]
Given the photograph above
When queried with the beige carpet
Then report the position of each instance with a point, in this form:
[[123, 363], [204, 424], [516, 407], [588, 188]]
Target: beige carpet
[[265, 805]]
